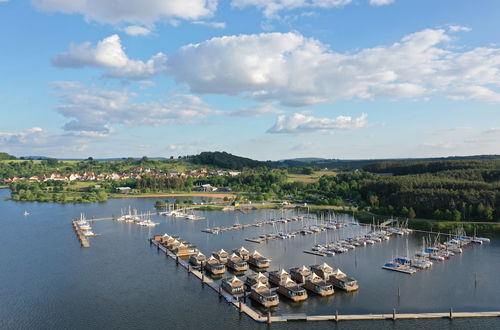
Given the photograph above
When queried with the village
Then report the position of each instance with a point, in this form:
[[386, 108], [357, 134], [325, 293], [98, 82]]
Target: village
[[136, 173]]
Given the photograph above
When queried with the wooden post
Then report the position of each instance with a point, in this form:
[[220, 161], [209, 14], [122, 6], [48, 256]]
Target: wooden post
[[150, 242], [241, 306], [394, 314], [176, 260], [220, 292], [336, 315], [188, 270], [268, 317], [451, 313]]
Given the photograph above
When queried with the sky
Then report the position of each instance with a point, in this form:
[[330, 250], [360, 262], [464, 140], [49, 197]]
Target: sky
[[265, 79]]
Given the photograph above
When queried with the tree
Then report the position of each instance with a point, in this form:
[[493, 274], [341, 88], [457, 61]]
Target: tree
[[411, 213], [456, 215], [160, 205], [373, 200]]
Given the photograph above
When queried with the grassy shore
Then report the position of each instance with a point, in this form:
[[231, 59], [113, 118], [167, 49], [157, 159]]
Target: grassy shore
[[191, 194]]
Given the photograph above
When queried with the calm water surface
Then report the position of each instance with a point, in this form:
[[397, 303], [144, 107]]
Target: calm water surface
[[50, 282]]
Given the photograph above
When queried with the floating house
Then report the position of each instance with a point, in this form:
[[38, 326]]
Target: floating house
[[261, 294], [253, 279], [236, 263], [221, 255], [197, 259], [214, 266], [233, 285], [291, 290], [300, 274], [242, 253], [317, 285], [258, 261], [278, 277]]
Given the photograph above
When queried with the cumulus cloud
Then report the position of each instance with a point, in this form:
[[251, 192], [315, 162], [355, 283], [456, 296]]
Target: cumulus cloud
[[271, 8], [256, 111], [131, 11], [381, 2], [137, 30], [31, 136], [297, 71], [37, 141], [300, 123], [109, 53], [92, 111]]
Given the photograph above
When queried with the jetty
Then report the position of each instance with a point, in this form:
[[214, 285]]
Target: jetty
[[389, 316], [84, 241]]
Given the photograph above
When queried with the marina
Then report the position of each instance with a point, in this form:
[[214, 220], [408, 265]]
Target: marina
[[361, 263]]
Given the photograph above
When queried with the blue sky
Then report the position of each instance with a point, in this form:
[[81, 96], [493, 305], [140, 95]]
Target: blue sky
[[267, 79]]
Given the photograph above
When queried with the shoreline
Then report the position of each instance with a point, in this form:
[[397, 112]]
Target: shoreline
[[209, 195]]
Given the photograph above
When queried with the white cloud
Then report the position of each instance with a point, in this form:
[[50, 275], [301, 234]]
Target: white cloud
[[109, 53], [137, 30], [458, 28], [272, 7], [92, 111], [131, 11], [36, 141], [381, 2], [31, 136], [297, 71], [216, 25], [259, 110], [300, 123]]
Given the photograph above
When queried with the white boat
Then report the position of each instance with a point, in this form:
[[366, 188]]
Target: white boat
[[26, 213]]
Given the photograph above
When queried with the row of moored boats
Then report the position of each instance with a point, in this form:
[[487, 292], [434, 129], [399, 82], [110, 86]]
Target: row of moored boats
[[351, 243], [140, 219], [424, 258]]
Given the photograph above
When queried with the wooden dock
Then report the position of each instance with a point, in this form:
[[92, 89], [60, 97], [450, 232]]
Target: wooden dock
[[258, 317], [84, 241], [255, 240], [390, 316], [100, 219], [316, 253]]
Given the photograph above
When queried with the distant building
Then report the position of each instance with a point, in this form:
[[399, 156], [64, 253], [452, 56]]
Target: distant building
[[207, 187], [124, 190]]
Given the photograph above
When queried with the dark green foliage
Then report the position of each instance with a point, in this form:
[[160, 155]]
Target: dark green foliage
[[225, 160], [6, 156], [454, 190]]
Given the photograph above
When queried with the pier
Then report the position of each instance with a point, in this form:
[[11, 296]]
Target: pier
[[84, 241], [254, 315]]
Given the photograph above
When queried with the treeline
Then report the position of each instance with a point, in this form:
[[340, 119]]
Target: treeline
[[454, 190], [54, 191], [406, 168], [6, 156], [225, 160], [147, 184]]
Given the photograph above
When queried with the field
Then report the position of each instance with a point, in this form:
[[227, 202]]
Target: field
[[308, 178]]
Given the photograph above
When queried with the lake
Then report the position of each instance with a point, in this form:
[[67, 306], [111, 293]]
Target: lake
[[50, 282]]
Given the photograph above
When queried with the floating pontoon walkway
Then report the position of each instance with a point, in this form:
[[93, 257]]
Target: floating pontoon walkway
[[82, 238]]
